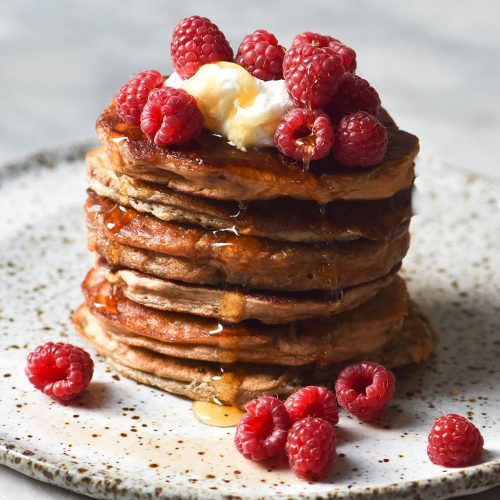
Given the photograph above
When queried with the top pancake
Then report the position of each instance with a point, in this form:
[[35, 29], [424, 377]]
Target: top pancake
[[208, 166]]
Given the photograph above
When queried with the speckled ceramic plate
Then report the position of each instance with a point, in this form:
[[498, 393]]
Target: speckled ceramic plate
[[127, 440]]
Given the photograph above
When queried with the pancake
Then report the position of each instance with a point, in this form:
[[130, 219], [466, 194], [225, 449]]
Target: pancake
[[237, 304], [280, 219], [280, 265], [240, 383], [341, 337], [418, 338], [153, 263], [192, 379], [208, 166], [412, 345]]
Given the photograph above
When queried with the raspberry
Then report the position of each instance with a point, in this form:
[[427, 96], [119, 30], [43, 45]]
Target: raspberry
[[364, 389], [304, 135], [454, 441], [316, 39], [261, 55], [311, 448], [360, 139], [313, 401], [312, 75], [262, 432], [354, 94], [133, 95], [346, 54], [61, 371], [196, 41], [171, 117]]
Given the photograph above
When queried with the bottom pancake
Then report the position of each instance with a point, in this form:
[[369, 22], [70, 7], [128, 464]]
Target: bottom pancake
[[238, 383], [199, 380]]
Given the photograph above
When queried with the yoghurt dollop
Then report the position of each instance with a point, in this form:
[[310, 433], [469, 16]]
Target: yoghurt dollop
[[235, 104]]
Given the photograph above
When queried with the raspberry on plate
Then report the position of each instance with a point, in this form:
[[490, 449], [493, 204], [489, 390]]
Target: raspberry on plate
[[360, 140], [346, 54], [171, 117], [261, 55], [313, 401], [364, 389], [133, 95], [262, 432], [454, 441], [196, 41], [304, 135], [312, 75], [311, 448], [354, 94], [62, 371]]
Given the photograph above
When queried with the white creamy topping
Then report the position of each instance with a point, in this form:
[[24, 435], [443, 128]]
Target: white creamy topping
[[235, 104]]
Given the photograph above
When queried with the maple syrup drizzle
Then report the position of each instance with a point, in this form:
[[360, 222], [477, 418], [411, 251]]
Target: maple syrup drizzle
[[232, 306], [326, 351], [216, 415], [222, 244], [231, 229], [106, 299], [123, 192], [241, 208], [117, 140], [219, 329], [113, 254], [118, 217], [307, 144], [306, 161]]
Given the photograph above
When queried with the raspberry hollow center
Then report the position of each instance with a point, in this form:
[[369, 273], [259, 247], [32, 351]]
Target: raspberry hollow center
[[306, 140], [263, 428], [301, 134], [360, 384], [52, 372]]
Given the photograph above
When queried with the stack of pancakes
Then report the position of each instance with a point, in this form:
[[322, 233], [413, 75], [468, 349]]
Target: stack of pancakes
[[224, 274]]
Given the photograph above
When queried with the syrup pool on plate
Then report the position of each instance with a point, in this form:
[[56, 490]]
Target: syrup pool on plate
[[217, 415]]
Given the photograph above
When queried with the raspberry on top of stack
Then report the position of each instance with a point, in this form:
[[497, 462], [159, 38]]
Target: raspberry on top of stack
[[249, 215]]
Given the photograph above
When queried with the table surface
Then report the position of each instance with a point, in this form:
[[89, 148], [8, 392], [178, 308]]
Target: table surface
[[435, 65]]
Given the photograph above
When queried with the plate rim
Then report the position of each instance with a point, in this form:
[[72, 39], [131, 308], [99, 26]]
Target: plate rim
[[65, 474]]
